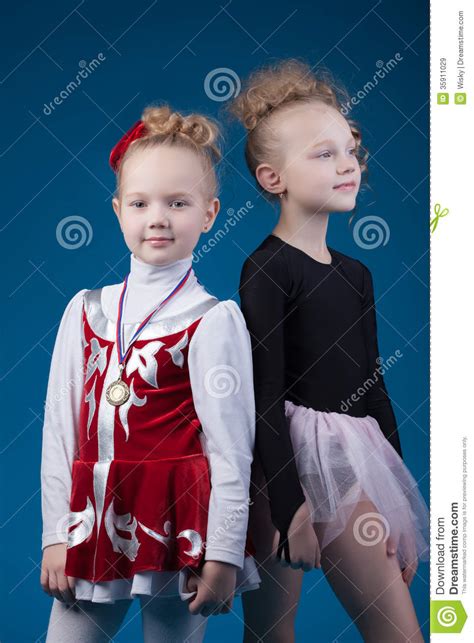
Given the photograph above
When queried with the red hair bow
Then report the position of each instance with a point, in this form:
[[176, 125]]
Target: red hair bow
[[116, 155]]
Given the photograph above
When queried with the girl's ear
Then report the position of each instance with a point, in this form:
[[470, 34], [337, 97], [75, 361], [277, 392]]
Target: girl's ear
[[211, 214], [116, 206], [269, 179]]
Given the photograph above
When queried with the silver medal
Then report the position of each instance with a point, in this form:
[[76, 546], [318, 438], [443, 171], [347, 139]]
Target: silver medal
[[117, 393]]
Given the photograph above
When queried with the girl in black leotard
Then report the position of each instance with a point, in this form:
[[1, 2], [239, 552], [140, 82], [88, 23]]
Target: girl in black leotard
[[334, 490]]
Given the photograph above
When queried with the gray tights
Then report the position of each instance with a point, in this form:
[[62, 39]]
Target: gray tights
[[164, 620]]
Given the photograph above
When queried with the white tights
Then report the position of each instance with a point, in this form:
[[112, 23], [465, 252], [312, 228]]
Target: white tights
[[164, 619]]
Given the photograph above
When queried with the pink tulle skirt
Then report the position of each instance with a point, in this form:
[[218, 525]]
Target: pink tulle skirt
[[342, 460]]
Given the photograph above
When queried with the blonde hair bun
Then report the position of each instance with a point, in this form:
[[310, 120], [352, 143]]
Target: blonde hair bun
[[202, 131], [277, 84], [195, 132]]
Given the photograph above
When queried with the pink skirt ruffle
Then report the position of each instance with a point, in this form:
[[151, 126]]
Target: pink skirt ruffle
[[342, 460]]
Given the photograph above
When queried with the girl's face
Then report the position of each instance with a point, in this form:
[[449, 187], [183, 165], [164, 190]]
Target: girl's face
[[317, 153], [164, 203]]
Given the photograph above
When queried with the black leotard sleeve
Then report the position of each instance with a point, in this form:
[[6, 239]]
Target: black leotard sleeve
[[264, 289], [378, 401]]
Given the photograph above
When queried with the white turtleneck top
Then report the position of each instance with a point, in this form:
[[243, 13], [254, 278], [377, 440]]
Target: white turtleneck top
[[227, 421]]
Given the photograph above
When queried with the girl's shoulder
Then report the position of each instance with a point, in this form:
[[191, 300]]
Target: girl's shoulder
[[76, 302], [271, 250], [86, 296], [349, 262], [223, 313], [269, 262], [276, 260], [223, 326], [72, 314], [356, 270]]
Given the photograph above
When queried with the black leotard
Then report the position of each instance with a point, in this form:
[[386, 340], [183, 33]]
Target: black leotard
[[314, 339]]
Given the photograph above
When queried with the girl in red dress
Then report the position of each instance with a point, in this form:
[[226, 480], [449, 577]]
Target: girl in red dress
[[149, 423]]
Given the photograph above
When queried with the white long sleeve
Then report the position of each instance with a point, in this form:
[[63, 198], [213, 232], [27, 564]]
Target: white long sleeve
[[61, 422], [220, 367]]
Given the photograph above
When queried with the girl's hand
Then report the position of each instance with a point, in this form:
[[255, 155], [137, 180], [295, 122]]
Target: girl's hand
[[409, 571], [304, 545], [215, 588], [53, 580], [392, 546]]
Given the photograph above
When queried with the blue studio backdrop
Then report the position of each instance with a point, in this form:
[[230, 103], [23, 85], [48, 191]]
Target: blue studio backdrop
[[59, 233]]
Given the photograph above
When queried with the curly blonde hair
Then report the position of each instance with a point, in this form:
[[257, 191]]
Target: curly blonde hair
[[196, 132], [277, 87]]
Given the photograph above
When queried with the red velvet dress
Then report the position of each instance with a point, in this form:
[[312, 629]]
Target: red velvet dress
[[141, 481]]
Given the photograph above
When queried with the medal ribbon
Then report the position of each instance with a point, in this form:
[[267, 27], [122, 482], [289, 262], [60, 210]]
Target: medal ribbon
[[119, 333]]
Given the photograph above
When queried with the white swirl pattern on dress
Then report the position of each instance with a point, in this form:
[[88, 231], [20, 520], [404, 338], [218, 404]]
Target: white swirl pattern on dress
[[124, 522], [85, 523], [176, 351], [143, 360], [124, 409]]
